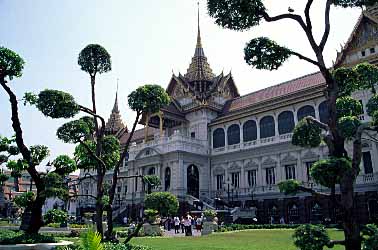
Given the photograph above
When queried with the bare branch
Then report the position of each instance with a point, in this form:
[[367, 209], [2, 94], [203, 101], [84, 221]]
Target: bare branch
[[318, 123], [302, 57], [300, 21], [90, 112], [307, 14], [327, 26]]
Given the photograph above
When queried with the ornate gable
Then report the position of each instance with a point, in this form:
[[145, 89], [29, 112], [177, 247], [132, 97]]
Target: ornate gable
[[364, 37], [289, 158]]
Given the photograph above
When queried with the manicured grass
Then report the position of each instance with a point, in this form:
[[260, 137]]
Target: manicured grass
[[264, 239]]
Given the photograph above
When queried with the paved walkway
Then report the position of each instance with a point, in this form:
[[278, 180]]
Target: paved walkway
[[172, 233]]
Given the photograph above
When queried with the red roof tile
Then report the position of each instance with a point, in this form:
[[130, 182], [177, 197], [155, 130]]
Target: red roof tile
[[138, 134], [289, 87]]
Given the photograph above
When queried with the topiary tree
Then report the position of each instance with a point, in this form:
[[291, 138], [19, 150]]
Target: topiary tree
[[145, 99], [311, 237], [165, 203], [95, 149], [11, 65], [263, 53]]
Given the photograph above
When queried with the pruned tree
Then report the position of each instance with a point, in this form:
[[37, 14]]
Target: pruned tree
[[95, 149], [263, 53], [145, 99]]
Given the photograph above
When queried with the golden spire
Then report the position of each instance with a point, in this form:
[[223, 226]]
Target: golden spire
[[199, 44]]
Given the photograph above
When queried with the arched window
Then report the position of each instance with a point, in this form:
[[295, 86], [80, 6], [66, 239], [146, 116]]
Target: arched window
[[218, 138], [151, 171], [305, 111], [323, 112], [233, 134], [249, 131], [167, 179], [285, 122], [267, 128]]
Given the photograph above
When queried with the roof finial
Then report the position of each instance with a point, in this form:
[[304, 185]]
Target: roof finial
[[115, 107], [199, 45]]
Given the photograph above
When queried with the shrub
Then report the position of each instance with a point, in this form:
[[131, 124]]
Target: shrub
[[311, 237], [54, 225], [164, 202], [8, 237], [121, 246], [210, 213], [74, 233], [370, 237], [77, 225], [56, 216]]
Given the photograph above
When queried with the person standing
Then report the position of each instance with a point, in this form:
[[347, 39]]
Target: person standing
[[182, 224], [188, 225], [177, 224]]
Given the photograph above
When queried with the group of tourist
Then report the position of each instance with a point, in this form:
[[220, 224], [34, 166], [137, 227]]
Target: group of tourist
[[185, 224]]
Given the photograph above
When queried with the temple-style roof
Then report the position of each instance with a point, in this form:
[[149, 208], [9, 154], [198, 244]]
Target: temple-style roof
[[361, 37], [114, 123], [270, 93], [199, 69], [138, 135], [199, 83]]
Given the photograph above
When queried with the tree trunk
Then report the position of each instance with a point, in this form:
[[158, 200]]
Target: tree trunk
[[32, 219], [36, 221], [112, 189], [350, 222]]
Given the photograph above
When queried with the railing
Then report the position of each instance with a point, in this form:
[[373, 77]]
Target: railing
[[367, 178], [253, 144], [172, 143]]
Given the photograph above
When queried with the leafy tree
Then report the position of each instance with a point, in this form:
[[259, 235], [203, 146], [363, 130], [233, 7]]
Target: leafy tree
[[263, 53], [94, 149], [11, 65], [145, 99], [164, 202]]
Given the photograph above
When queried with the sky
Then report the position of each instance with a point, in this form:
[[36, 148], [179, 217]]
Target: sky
[[147, 40]]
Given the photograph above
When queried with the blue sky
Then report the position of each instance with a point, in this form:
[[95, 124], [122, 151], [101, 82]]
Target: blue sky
[[147, 39]]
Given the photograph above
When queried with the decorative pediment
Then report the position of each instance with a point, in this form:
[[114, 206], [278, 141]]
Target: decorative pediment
[[269, 162], [366, 34], [219, 170], [147, 152], [234, 166], [363, 36], [251, 165], [289, 158], [309, 154]]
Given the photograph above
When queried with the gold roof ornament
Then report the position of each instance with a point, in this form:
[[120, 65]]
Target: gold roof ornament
[[199, 69]]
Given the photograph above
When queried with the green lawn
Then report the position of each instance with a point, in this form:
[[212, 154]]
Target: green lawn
[[273, 239]]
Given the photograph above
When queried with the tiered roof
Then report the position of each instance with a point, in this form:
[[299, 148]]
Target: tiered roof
[[114, 123]]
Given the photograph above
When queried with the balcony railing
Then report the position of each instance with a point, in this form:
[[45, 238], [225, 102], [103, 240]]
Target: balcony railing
[[176, 142], [253, 144]]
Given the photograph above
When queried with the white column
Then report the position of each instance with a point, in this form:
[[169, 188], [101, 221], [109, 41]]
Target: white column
[[316, 106], [276, 125], [258, 128]]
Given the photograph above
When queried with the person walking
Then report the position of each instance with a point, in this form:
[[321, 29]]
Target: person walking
[[199, 224]]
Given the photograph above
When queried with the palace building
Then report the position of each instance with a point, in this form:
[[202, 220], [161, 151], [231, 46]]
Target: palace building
[[210, 144]]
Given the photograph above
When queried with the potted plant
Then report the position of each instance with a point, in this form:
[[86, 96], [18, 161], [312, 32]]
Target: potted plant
[[210, 214], [151, 216]]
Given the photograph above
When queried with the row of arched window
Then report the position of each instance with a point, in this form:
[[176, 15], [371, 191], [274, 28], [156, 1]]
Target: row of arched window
[[267, 125]]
